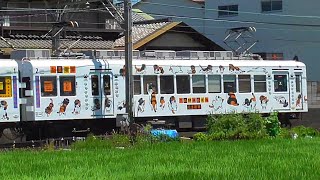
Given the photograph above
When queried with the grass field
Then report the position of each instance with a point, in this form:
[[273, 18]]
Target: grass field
[[259, 159]]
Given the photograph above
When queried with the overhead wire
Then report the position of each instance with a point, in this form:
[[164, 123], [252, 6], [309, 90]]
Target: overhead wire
[[230, 20], [240, 12], [189, 17]]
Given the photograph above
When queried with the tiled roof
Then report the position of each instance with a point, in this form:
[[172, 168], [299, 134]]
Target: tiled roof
[[141, 31], [138, 15], [46, 44]]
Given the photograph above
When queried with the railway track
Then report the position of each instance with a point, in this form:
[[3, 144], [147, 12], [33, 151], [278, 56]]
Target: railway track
[[56, 143]]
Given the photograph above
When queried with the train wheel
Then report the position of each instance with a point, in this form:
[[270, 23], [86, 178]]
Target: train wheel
[[10, 135]]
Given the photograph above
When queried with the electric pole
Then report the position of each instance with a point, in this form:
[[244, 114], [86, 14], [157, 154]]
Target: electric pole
[[128, 58]]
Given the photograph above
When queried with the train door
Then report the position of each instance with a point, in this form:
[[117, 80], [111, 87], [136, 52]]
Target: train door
[[298, 91], [102, 95], [281, 90]]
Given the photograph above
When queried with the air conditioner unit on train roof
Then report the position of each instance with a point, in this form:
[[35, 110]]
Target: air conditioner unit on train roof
[[159, 54], [189, 54], [109, 53], [30, 53], [221, 54]]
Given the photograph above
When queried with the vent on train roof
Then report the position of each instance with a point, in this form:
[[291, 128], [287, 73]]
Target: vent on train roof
[[159, 54], [109, 53], [30, 53], [204, 54]]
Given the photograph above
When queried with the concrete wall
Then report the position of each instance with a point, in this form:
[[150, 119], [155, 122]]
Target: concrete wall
[[292, 35]]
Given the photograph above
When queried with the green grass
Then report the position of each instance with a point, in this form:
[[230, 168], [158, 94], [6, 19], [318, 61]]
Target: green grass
[[253, 159]]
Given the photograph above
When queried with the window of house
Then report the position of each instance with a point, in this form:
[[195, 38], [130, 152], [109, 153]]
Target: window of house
[[230, 10], [95, 85], [183, 84], [136, 84], [244, 83], [229, 83], [214, 83], [271, 5], [166, 85], [260, 84], [67, 85], [199, 84], [280, 83], [150, 84], [48, 86]]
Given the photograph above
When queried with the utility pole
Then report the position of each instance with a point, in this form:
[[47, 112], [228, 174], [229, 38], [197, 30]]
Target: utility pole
[[128, 58]]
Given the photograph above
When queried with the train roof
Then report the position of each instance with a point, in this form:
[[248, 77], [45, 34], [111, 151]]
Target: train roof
[[249, 63], [164, 62], [8, 63]]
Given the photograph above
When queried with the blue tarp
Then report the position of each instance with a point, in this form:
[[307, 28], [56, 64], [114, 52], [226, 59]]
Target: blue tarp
[[169, 132]]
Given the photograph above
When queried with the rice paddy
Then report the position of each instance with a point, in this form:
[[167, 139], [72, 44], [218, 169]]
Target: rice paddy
[[252, 159]]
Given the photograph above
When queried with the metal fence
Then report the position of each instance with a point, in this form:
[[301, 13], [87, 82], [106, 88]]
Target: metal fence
[[313, 94]]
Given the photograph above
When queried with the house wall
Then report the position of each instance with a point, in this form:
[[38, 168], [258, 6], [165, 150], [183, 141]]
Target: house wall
[[290, 35], [176, 40], [279, 31]]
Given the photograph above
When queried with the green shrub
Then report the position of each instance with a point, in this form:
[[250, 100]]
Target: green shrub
[[273, 124], [285, 133], [255, 126], [92, 142], [120, 140], [200, 136], [305, 131], [236, 126]]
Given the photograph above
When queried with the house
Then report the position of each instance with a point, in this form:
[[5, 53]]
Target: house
[[164, 34], [85, 25]]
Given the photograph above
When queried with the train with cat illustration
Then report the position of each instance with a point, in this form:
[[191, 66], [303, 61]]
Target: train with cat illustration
[[46, 95]]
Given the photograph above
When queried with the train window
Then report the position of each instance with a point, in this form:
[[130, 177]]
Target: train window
[[244, 83], [106, 85], [260, 84], [95, 85], [214, 83], [298, 83], [183, 84], [137, 84], [48, 86], [67, 85], [199, 84], [280, 83], [5, 86], [150, 84], [229, 83], [166, 85]]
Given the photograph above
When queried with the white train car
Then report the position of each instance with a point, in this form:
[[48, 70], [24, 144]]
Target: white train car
[[201, 87], [9, 92], [174, 88], [64, 89]]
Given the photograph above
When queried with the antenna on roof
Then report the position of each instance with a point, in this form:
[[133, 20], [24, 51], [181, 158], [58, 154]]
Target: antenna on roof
[[240, 40]]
